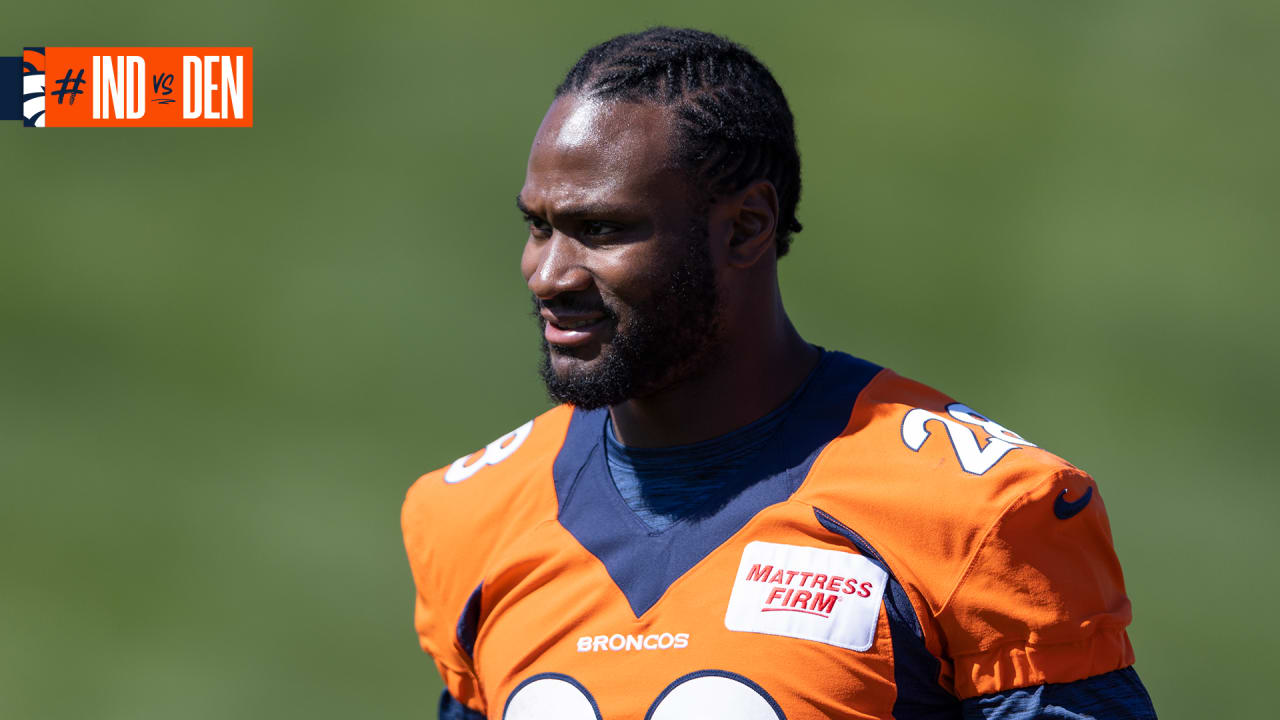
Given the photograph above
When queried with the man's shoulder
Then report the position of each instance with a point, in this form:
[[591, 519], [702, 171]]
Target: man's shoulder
[[906, 427], [896, 432], [958, 503], [913, 459], [507, 481]]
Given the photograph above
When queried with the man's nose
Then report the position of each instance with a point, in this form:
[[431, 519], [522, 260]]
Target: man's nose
[[558, 267]]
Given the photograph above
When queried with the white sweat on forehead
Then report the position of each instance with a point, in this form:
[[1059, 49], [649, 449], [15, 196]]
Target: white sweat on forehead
[[577, 128]]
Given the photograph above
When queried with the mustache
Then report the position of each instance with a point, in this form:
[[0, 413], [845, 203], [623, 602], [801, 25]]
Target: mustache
[[572, 303]]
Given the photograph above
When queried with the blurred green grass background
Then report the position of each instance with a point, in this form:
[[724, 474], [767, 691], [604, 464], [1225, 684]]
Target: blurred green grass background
[[224, 355]]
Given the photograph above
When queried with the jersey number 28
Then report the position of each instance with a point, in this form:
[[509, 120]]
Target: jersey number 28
[[973, 458]]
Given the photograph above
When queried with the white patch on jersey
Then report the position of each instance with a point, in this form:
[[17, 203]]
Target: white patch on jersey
[[809, 593], [550, 698], [713, 696]]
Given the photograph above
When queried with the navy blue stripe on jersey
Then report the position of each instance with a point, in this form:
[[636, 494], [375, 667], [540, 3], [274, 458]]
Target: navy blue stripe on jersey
[[451, 709], [1117, 695], [469, 622], [644, 562], [10, 88], [915, 669]]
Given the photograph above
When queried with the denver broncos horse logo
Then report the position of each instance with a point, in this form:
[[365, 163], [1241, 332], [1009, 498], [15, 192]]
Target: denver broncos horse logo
[[33, 87]]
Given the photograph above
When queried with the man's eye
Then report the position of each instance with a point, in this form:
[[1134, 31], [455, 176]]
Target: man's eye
[[538, 226], [592, 227]]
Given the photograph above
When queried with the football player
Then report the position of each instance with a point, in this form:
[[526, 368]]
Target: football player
[[721, 520]]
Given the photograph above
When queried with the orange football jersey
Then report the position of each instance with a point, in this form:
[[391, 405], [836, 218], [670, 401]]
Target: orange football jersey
[[900, 552]]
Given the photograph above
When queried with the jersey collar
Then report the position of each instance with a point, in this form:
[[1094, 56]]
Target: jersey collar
[[642, 562]]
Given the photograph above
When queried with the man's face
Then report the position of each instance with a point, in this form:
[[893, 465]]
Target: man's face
[[617, 257]]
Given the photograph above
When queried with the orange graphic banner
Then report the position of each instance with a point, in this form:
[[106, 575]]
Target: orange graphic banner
[[148, 87]]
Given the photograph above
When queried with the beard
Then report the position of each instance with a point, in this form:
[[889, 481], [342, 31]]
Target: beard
[[658, 342]]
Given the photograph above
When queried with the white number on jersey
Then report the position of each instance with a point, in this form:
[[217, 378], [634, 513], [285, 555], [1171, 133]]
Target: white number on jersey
[[705, 695], [974, 459], [494, 453]]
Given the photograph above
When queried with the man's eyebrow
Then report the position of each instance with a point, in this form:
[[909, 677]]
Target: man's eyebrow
[[572, 212]]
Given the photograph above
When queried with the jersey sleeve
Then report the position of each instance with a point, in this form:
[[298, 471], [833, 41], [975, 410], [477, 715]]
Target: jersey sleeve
[[1117, 695], [1042, 599], [455, 521], [442, 597], [451, 709]]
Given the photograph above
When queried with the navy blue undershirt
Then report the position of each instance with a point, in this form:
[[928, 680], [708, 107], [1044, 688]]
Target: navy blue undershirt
[[663, 486]]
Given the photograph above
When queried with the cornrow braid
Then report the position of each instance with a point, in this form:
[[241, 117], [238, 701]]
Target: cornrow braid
[[734, 123]]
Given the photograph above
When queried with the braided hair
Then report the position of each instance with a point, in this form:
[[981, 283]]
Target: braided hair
[[734, 125]]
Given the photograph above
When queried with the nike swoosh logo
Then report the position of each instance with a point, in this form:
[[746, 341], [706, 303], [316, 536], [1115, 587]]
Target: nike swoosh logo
[[1066, 510]]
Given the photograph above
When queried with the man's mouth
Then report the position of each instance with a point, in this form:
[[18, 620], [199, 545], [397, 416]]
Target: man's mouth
[[573, 330], [574, 324]]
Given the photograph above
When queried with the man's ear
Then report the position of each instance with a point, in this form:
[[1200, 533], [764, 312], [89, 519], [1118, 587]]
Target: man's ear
[[755, 223]]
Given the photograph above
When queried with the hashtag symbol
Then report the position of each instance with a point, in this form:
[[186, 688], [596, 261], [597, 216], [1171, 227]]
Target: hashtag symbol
[[75, 87]]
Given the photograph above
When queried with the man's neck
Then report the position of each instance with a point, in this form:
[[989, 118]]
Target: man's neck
[[751, 379]]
